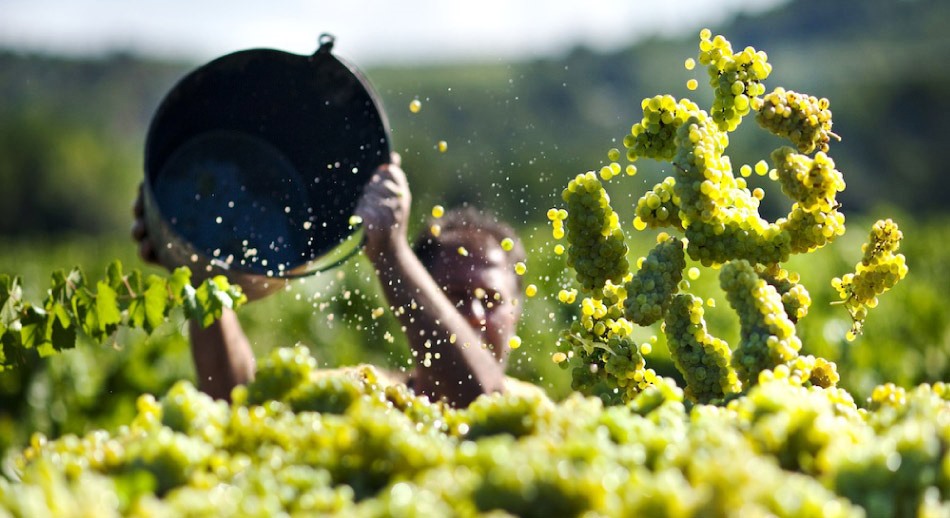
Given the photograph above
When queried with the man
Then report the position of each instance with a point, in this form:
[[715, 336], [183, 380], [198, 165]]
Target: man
[[455, 293]]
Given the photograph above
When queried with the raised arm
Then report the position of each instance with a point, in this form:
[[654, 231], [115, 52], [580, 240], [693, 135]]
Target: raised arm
[[453, 360]]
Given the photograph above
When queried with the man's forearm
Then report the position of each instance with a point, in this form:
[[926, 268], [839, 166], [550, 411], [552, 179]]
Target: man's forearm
[[460, 367], [222, 355]]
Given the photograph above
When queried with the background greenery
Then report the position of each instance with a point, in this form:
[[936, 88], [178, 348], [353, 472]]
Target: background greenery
[[72, 133]]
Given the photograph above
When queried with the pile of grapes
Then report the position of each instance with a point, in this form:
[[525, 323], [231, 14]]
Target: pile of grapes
[[300, 441], [759, 429]]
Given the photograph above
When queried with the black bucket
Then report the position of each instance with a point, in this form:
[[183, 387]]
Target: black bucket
[[255, 161]]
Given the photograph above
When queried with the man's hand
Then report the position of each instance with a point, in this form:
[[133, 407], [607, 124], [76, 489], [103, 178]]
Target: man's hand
[[140, 231], [384, 208]]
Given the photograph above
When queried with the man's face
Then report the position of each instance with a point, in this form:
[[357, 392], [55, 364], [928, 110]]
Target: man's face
[[483, 288]]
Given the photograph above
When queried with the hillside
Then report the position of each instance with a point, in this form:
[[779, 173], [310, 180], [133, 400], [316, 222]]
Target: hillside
[[76, 128]]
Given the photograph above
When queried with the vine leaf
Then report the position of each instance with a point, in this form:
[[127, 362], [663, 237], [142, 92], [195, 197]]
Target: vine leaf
[[71, 307], [107, 306]]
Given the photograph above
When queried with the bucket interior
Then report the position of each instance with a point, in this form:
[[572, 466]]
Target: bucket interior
[[258, 158]]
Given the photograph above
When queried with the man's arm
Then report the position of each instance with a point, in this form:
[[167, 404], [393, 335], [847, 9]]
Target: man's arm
[[222, 355], [221, 352], [465, 368]]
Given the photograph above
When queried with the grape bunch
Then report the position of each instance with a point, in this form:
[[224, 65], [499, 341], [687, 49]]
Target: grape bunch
[[811, 230], [736, 78], [659, 207], [607, 360], [738, 236], [879, 270], [281, 373], [721, 227], [810, 182], [803, 119], [702, 359], [811, 371], [704, 180], [653, 136], [596, 250], [611, 368], [649, 292], [719, 214], [767, 336], [795, 298]]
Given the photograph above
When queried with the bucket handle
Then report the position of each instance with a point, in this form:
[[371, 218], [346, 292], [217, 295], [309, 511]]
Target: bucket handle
[[326, 41]]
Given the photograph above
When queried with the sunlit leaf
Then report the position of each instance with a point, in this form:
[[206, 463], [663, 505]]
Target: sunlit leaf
[[156, 302]]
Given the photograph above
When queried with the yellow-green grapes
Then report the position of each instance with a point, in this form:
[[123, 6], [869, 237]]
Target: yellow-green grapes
[[702, 359], [766, 335], [611, 368], [803, 119], [596, 247], [810, 371], [653, 285], [607, 362], [659, 207], [879, 270], [557, 217], [652, 137], [719, 213], [811, 182], [795, 297], [810, 230], [370, 447], [736, 78]]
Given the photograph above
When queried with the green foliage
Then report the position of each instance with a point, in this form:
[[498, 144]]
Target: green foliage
[[548, 118], [72, 307]]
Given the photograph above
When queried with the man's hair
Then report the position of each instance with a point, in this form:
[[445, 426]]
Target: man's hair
[[468, 227]]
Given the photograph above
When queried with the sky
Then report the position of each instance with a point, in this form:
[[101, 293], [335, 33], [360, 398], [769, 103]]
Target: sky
[[368, 31]]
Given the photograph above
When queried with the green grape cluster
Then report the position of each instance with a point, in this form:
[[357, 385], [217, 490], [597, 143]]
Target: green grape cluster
[[719, 213], [280, 373], [512, 415], [795, 298], [740, 237], [609, 365], [767, 336], [880, 269], [652, 287], [736, 78], [811, 371], [702, 359], [324, 394], [810, 182], [659, 207], [607, 361], [803, 119], [596, 250], [811, 230], [720, 222], [704, 182], [653, 136], [805, 450]]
